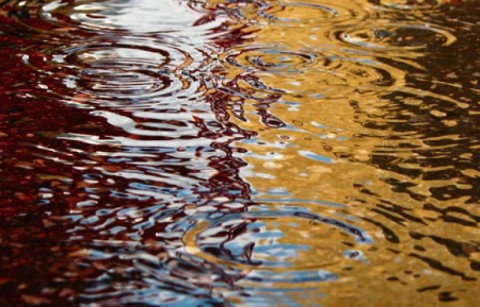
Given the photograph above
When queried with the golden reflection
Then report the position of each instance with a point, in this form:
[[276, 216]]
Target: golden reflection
[[321, 96]]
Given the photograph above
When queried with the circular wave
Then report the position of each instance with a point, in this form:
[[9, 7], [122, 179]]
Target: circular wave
[[290, 13], [118, 16], [115, 74], [390, 37], [407, 5], [289, 245], [67, 19], [271, 59], [267, 73]]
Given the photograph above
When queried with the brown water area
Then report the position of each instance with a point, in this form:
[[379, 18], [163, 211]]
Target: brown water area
[[216, 152]]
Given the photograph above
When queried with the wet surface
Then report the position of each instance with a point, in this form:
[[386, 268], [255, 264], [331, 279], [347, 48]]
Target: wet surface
[[239, 152]]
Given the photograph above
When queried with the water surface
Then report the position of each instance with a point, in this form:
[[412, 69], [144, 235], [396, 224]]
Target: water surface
[[239, 152]]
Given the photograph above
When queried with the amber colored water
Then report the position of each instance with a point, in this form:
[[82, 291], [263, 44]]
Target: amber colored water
[[212, 152]]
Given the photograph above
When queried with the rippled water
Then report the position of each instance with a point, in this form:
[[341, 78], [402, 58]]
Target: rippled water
[[219, 152]]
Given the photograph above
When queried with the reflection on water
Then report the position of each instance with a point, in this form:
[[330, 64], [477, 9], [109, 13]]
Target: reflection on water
[[239, 152]]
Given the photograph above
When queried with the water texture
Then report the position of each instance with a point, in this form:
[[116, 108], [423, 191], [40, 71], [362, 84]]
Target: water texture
[[212, 152]]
